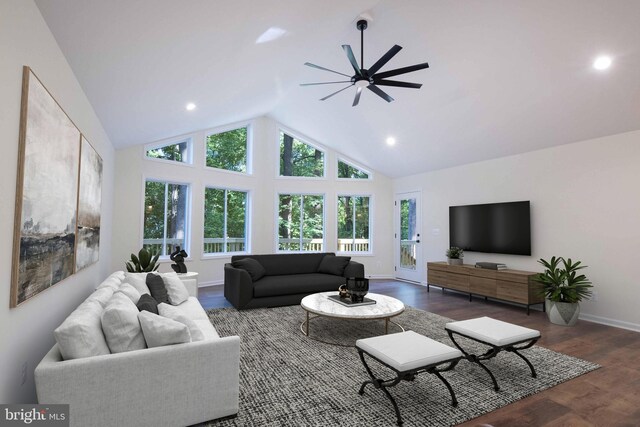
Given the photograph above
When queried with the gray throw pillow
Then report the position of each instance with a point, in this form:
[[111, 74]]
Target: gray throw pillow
[[253, 267], [157, 288], [335, 265]]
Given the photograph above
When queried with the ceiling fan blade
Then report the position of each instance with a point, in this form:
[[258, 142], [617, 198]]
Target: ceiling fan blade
[[324, 83], [384, 59], [357, 98], [309, 64], [352, 59], [402, 70], [335, 93], [382, 94], [397, 83]]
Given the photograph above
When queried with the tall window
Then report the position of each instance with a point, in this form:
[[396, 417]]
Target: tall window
[[301, 222], [299, 159], [165, 216], [225, 221], [228, 150], [175, 152], [353, 224], [345, 170]]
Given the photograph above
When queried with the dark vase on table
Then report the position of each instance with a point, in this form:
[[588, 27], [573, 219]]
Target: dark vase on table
[[357, 288]]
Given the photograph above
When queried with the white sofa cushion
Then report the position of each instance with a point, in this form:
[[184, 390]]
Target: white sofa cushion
[[159, 331], [138, 281], [176, 314], [121, 326], [102, 295], [192, 309], [176, 290], [130, 292], [208, 331], [80, 335], [110, 282]]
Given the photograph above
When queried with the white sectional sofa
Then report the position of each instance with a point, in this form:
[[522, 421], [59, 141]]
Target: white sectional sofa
[[174, 385]]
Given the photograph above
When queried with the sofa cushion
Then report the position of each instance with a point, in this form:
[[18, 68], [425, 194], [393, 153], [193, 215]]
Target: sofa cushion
[[80, 335], [192, 309], [121, 326], [157, 289], [296, 284], [171, 312], [138, 281], [207, 328], [335, 265], [176, 290], [147, 303], [159, 331], [252, 266], [110, 282], [131, 292], [101, 295], [281, 264]]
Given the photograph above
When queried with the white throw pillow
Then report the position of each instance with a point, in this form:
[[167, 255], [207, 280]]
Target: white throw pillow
[[166, 310], [121, 326], [175, 288], [130, 291], [138, 281], [159, 331], [80, 335]]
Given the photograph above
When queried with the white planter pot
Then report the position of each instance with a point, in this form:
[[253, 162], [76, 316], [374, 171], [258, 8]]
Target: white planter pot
[[563, 313], [455, 261]]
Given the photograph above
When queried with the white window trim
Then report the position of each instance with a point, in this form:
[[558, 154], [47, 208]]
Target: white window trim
[[250, 125], [187, 232], [247, 221], [308, 141], [277, 221], [188, 138], [353, 165], [370, 252]]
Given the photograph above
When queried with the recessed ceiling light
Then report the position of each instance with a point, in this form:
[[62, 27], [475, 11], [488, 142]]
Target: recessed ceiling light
[[391, 141], [602, 63], [190, 106]]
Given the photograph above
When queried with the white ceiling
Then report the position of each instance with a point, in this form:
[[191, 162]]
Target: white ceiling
[[505, 77]]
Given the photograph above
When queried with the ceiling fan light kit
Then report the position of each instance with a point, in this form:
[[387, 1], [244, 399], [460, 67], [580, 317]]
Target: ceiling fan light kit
[[369, 78]]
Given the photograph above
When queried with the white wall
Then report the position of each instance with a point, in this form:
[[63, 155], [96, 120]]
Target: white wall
[[26, 331], [585, 204], [132, 168]]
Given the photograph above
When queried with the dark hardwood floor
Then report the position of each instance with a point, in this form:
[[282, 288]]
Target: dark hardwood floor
[[609, 396]]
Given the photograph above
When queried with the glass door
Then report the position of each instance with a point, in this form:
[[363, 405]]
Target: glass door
[[408, 246]]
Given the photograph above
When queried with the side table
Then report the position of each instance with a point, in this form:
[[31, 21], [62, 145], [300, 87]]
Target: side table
[[190, 280]]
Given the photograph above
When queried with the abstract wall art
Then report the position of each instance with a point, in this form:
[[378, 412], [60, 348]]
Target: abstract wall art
[[46, 193], [89, 204]]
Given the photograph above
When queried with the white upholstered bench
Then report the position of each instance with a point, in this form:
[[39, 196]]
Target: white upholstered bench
[[498, 335], [407, 354]]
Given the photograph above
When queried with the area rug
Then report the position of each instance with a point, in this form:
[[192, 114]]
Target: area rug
[[288, 379]]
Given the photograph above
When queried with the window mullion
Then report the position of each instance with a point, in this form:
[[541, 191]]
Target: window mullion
[[164, 233], [353, 224], [301, 221], [224, 223]]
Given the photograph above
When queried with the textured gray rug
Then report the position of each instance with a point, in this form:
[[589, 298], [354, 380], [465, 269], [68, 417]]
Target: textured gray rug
[[287, 379]]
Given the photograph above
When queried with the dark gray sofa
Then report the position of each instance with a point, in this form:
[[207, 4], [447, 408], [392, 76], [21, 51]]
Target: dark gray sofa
[[288, 278]]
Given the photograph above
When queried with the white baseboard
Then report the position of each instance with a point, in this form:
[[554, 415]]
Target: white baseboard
[[379, 276], [610, 322], [211, 283]]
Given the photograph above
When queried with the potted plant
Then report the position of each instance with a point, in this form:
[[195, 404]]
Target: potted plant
[[143, 263], [563, 289], [454, 255]]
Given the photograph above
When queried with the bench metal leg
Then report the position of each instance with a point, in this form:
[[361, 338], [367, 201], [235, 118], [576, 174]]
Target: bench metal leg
[[378, 383]]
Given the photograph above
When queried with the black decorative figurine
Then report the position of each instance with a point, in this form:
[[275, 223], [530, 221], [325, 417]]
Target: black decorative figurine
[[178, 257], [357, 288]]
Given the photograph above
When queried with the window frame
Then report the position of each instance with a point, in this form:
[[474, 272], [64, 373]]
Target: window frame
[[277, 221], [370, 252], [247, 221], [308, 141], [187, 238], [188, 138], [353, 165], [226, 128]]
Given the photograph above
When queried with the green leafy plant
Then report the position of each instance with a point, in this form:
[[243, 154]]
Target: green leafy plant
[[454, 253], [143, 263], [561, 281]]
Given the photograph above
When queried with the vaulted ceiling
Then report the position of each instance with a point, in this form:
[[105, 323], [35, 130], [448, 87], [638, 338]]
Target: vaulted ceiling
[[505, 76]]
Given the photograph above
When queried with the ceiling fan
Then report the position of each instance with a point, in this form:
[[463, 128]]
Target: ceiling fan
[[369, 78]]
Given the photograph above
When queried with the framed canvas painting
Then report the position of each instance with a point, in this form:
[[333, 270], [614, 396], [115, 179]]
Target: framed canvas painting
[[46, 193], [89, 203]]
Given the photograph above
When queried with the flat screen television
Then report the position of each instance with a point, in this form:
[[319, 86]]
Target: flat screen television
[[503, 228]]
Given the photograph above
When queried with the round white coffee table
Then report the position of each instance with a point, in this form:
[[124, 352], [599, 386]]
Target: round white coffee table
[[319, 304]]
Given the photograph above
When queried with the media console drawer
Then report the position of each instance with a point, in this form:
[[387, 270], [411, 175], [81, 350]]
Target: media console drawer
[[506, 285]]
